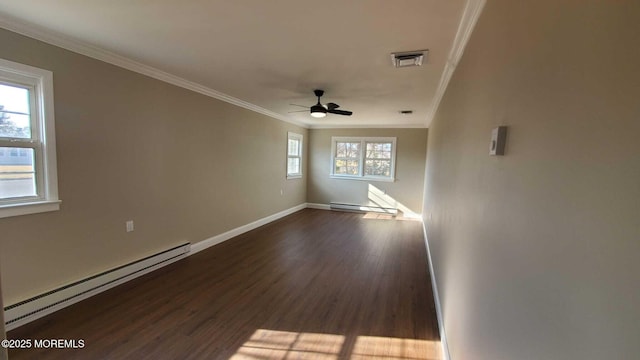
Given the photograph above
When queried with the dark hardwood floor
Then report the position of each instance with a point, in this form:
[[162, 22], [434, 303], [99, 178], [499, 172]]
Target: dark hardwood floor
[[314, 285]]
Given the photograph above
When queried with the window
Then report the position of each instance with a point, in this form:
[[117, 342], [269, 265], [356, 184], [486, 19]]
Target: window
[[28, 179], [294, 155], [363, 158]]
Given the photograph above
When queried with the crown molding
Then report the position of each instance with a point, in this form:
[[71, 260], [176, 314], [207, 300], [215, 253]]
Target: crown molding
[[367, 126], [470, 15], [82, 48]]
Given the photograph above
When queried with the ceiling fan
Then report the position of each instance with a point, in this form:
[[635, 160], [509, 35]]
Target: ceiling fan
[[319, 111]]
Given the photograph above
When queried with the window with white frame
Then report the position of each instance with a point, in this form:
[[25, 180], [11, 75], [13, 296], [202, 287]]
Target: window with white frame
[[294, 155], [363, 158], [28, 178]]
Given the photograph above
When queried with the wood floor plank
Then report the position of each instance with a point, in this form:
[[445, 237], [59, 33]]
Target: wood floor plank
[[313, 285]]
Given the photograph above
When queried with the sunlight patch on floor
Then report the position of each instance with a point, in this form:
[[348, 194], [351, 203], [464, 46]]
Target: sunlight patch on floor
[[378, 216], [267, 344], [271, 345], [375, 347]]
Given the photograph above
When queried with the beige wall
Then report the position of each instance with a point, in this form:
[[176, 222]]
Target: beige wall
[[182, 165], [410, 162], [536, 253]]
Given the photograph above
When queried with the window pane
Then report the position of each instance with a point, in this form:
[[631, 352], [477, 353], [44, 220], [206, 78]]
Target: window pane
[[293, 165], [340, 169], [347, 149], [353, 167], [379, 150], [347, 167], [15, 120], [17, 173], [377, 168], [353, 150], [341, 149], [294, 147]]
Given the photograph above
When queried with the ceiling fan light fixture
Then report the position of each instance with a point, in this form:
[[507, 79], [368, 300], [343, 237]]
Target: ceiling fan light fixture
[[318, 111]]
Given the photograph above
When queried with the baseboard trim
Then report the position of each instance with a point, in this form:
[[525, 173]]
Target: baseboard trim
[[363, 208], [405, 211], [436, 297], [318, 206], [215, 240]]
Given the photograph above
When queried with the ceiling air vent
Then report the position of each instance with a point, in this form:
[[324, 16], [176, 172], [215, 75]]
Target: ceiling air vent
[[408, 58]]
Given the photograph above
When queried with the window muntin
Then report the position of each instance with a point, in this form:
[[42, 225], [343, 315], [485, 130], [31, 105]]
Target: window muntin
[[363, 158], [294, 155], [28, 178]]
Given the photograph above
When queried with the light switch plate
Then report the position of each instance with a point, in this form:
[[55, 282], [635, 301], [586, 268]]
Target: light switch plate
[[498, 140]]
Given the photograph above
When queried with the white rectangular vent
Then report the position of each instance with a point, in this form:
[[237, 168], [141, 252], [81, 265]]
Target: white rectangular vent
[[408, 58]]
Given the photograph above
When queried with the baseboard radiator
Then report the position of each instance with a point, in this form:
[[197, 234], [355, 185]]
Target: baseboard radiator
[[38, 306], [363, 208]]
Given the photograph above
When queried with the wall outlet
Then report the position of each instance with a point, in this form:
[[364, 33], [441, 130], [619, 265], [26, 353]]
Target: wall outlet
[[129, 225]]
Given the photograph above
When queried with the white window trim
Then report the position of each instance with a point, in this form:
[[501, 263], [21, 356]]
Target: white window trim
[[294, 136], [363, 141], [41, 82]]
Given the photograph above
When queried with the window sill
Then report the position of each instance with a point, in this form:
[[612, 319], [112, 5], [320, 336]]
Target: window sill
[[362, 178], [9, 210], [290, 177]]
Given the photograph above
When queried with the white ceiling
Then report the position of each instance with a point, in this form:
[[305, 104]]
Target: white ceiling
[[270, 54]]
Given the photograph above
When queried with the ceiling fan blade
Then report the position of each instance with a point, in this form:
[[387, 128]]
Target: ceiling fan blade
[[289, 112], [332, 106], [340, 112], [300, 105]]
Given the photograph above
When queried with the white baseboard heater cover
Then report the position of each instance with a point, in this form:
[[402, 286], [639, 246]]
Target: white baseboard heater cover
[[38, 306], [363, 208]]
